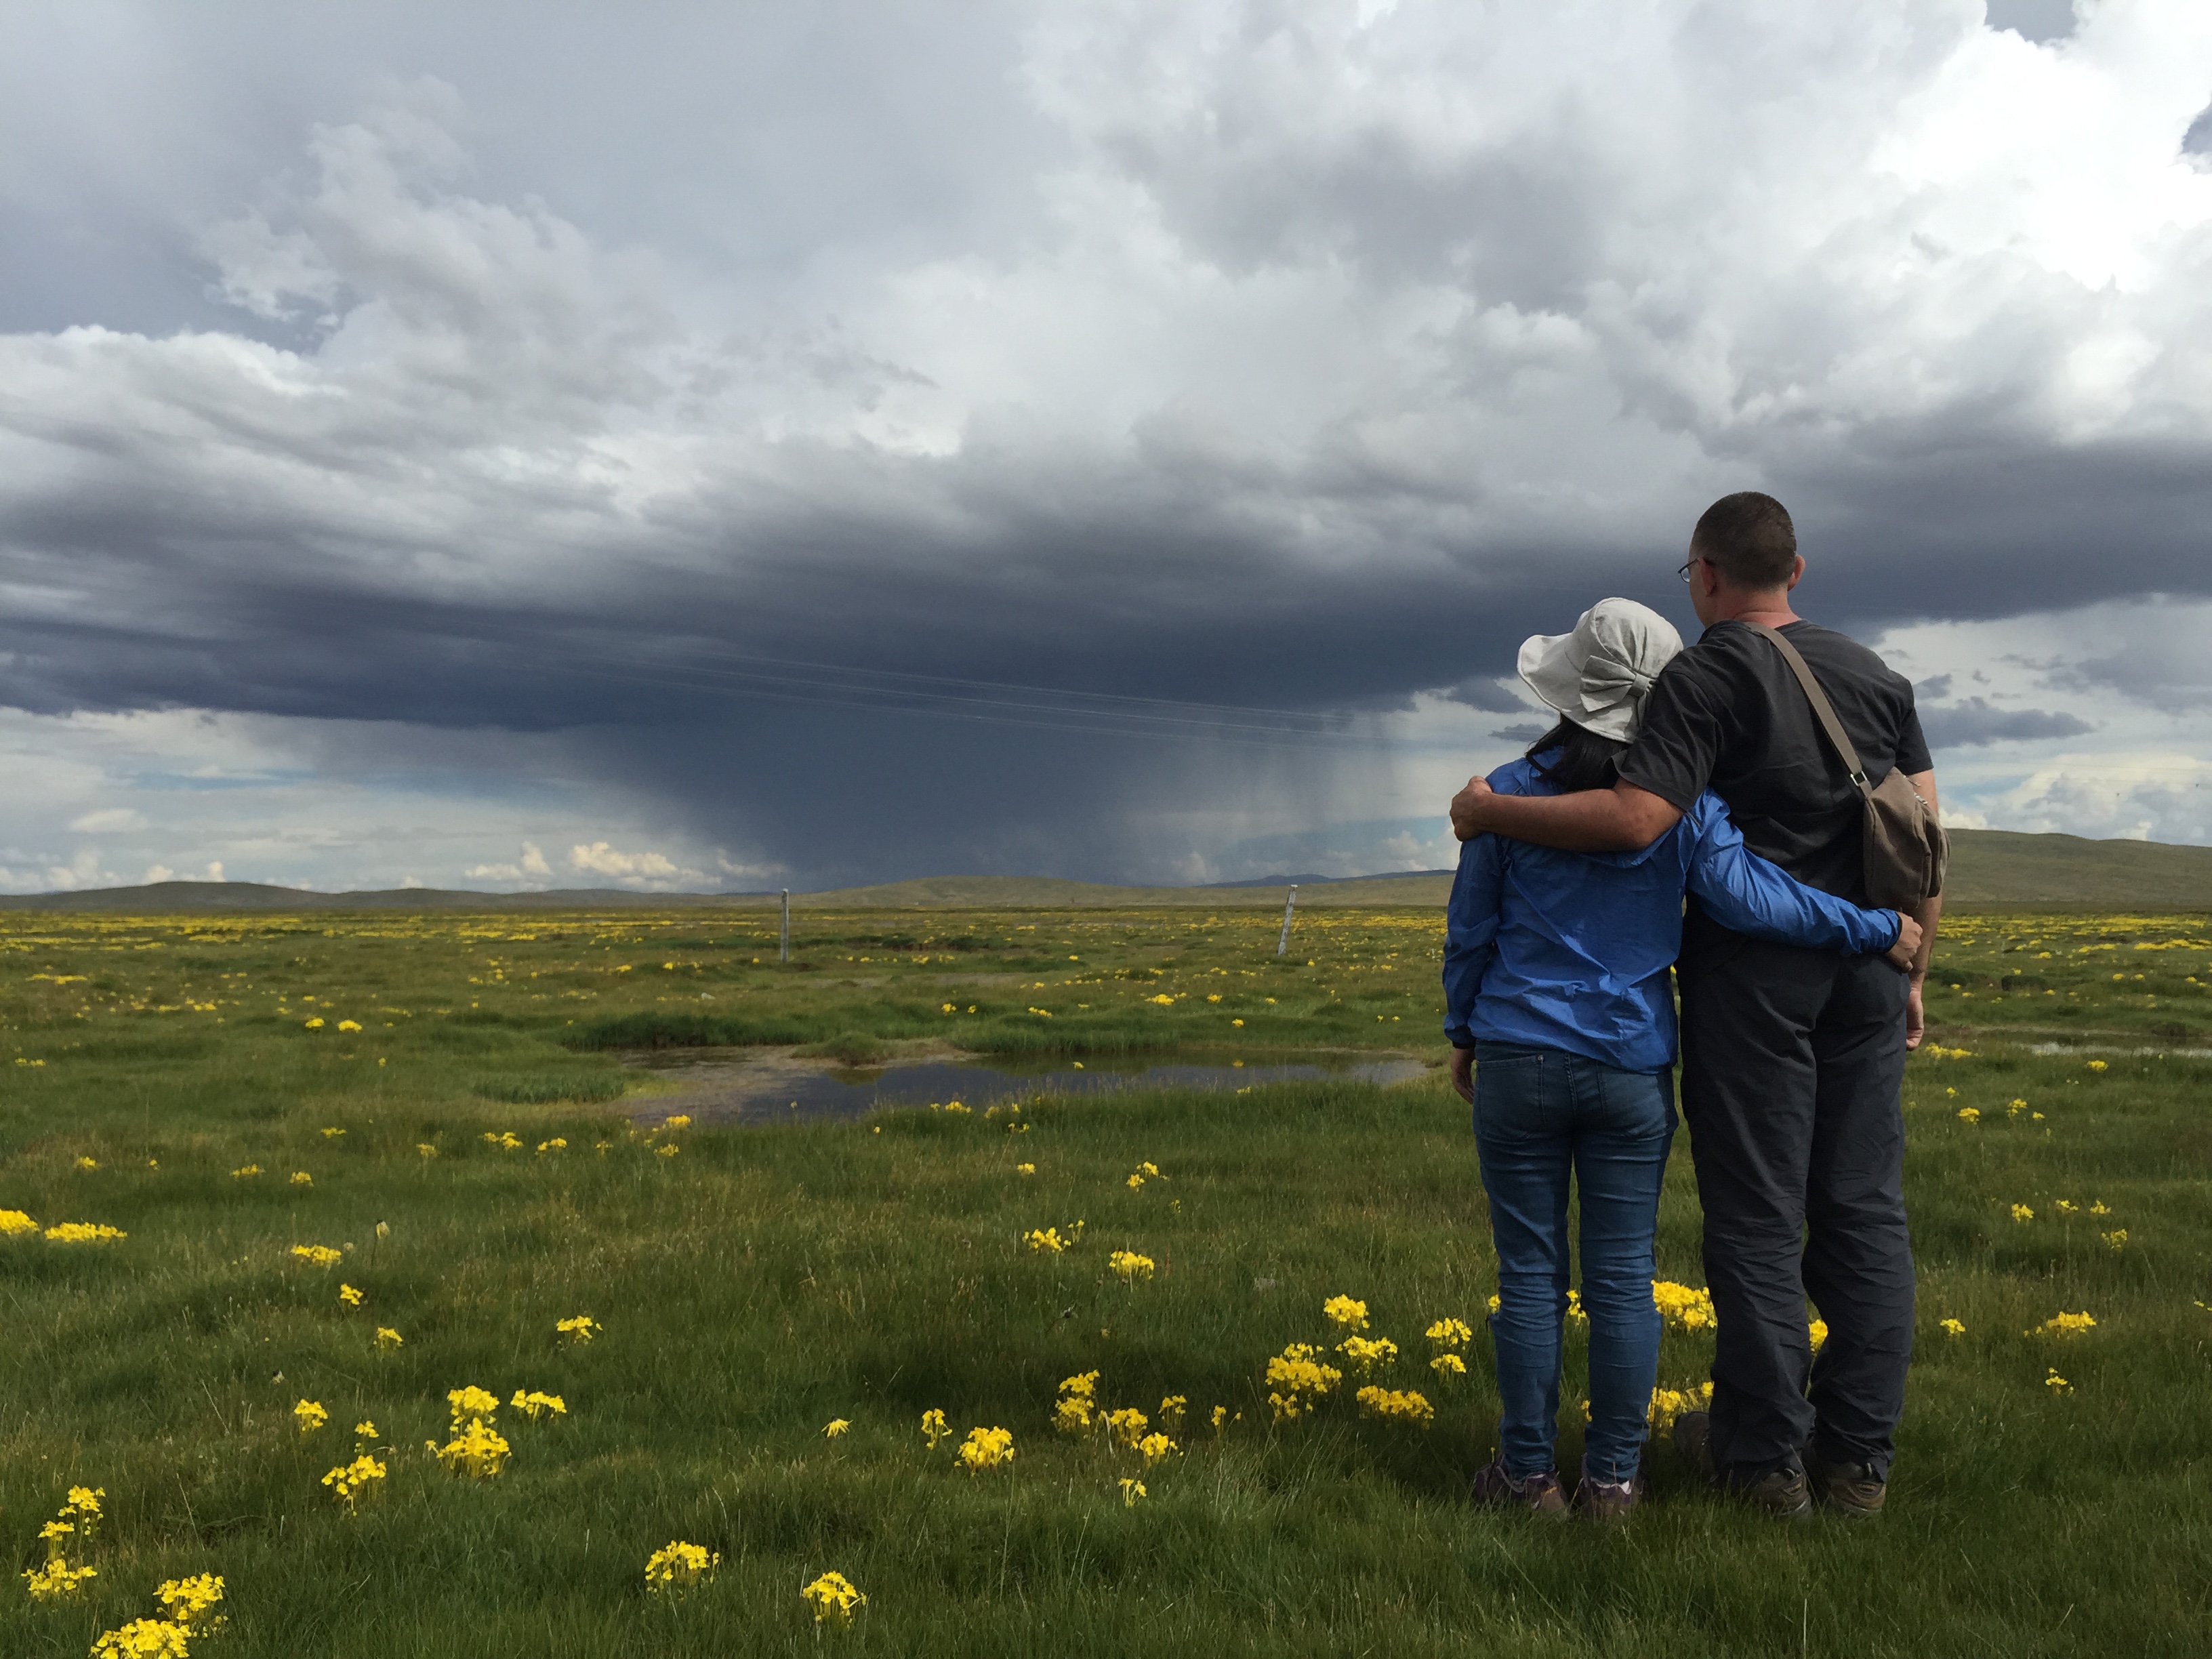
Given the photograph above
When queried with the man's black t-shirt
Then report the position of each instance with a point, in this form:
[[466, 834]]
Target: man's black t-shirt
[[1728, 716]]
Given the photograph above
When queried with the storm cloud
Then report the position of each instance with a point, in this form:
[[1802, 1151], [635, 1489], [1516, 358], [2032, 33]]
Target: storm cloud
[[857, 442]]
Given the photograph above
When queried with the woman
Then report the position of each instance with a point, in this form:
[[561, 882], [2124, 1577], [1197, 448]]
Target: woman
[[1558, 999]]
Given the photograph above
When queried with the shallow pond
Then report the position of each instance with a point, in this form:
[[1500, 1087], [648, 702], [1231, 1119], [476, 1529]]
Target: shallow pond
[[725, 1088]]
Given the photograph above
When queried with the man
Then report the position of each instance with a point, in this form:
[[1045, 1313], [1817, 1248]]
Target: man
[[1792, 1059]]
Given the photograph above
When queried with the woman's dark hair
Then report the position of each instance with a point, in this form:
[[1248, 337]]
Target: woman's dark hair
[[1584, 760]]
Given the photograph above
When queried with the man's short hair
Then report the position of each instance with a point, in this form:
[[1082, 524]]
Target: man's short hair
[[1750, 538]]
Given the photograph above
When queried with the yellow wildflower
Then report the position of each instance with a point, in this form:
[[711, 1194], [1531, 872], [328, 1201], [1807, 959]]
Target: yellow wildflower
[[364, 1430], [1366, 1355], [1154, 1447], [666, 1149], [1172, 1410], [678, 1567], [84, 1233], [1131, 1266], [834, 1599], [1301, 1379], [143, 1639], [2056, 1383], [84, 1162], [1667, 1404], [316, 1023], [2067, 1206], [245, 1171], [2064, 1324], [319, 1256], [1952, 1328], [425, 1149], [57, 1580], [15, 1221], [477, 1450], [332, 1134], [1448, 1364], [186, 1601], [1494, 1304], [302, 1178], [835, 1426], [1347, 1311], [1221, 1419], [582, 1328], [1132, 1491], [2096, 1065], [348, 1480], [1044, 1241], [986, 1448], [933, 1427], [1072, 1414], [2098, 1209], [2115, 1240], [1127, 1425], [535, 1405], [310, 1416], [388, 1338], [471, 1401], [558, 1144], [1969, 1114], [1025, 1168], [1450, 1334], [1817, 1332], [1393, 1406], [1681, 1307], [350, 1295], [2021, 1213]]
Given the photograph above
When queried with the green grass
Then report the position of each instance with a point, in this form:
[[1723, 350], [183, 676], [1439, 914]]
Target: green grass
[[761, 1282]]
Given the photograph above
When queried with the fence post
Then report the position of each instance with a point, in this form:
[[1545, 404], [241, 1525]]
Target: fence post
[[1283, 943], [783, 945]]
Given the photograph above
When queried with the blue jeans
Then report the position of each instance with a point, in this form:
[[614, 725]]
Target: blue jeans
[[1540, 1113]]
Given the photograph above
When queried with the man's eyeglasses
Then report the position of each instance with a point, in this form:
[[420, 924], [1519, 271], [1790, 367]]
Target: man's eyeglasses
[[1695, 558]]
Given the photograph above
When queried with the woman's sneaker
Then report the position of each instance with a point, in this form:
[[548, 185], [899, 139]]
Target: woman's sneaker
[[1607, 1500], [1539, 1494]]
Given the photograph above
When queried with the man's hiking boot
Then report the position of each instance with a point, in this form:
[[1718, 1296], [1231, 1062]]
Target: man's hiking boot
[[1539, 1494], [1848, 1488], [1783, 1493], [1607, 1500], [1693, 1443]]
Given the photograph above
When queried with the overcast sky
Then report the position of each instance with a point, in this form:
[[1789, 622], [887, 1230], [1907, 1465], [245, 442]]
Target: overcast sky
[[737, 446]]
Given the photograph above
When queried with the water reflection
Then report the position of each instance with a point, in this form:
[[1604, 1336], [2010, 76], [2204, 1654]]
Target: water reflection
[[757, 1090]]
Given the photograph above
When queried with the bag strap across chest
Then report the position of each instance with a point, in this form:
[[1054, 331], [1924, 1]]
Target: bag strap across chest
[[1845, 750]]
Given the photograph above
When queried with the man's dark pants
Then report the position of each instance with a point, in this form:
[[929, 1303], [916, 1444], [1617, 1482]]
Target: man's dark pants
[[1792, 1063]]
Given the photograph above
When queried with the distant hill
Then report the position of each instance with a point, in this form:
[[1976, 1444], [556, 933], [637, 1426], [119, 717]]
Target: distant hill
[[1991, 869]]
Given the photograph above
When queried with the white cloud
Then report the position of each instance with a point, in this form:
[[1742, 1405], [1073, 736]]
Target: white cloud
[[108, 820], [598, 858], [158, 872], [2137, 797], [531, 871]]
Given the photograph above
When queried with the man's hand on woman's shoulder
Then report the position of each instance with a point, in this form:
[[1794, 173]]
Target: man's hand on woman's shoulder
[[1467, 806]]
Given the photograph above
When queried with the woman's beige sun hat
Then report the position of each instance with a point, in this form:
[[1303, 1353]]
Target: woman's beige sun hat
[[1598, 676]]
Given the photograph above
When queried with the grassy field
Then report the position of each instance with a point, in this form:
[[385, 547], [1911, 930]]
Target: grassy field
[[464, 1128]]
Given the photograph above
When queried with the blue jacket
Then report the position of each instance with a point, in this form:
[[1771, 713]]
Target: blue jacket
[[1551, 950]]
